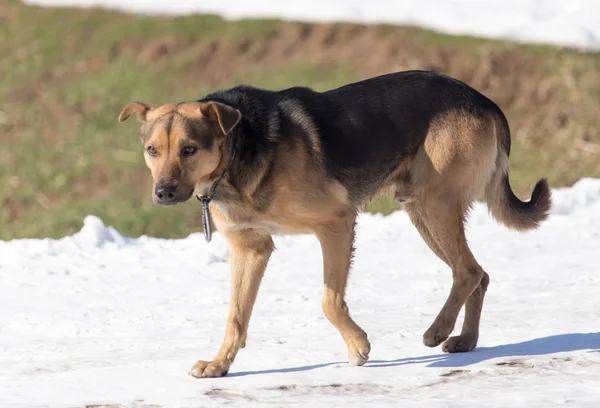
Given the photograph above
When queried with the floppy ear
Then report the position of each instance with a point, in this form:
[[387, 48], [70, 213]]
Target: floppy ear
[[226, 116], [141, 108]]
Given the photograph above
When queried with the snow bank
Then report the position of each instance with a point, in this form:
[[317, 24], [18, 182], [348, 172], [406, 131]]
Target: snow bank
[[568, 23], [98, 318]]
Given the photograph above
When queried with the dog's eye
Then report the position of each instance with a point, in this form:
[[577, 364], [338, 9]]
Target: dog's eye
[[151, 150], [189, 150]]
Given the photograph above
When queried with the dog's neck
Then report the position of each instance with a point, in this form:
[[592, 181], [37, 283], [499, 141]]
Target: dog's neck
[[240, 154], [218, 179]]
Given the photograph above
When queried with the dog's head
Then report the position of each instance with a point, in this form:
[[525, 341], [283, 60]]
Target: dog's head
[[183, 144]]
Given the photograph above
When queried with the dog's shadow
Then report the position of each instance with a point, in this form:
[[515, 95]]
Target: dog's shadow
[[546, 345]]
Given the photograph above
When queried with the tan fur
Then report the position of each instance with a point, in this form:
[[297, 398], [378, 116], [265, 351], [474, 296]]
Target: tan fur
[[496, 192], [250, 252], [336, 238], [461, 155], [139, 108], [303, 198], [297, 114]]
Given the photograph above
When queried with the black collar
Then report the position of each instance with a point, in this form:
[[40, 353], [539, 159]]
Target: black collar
[[209, 196], [206, 198]]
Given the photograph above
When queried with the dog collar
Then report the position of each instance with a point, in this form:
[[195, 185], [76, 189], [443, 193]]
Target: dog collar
[[205, 199]]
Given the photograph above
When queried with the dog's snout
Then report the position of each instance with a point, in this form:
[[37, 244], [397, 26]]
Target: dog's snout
[[166, 192]]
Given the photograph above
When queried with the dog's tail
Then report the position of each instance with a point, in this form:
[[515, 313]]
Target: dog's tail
[[504, 205]]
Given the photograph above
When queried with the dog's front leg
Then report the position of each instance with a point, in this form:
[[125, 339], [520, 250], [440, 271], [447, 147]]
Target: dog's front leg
[[336, 240], [250, 252]]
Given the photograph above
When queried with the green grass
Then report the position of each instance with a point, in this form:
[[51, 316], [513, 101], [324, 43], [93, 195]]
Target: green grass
[[66, 75], [60, 166]]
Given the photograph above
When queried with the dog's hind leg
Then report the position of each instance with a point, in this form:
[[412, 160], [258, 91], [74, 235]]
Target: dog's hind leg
[[441, 224], [337, 240], [467, 340], [250, 252]]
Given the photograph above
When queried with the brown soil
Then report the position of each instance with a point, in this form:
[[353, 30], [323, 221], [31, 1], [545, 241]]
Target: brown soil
[[539, 102]]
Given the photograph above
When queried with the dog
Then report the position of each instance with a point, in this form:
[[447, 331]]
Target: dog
[[297, 161]]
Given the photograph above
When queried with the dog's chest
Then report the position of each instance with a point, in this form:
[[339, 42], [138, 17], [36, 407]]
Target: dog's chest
[[241, 220]]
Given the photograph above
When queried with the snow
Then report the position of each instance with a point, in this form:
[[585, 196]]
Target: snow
[[567, 23], [98, 318]]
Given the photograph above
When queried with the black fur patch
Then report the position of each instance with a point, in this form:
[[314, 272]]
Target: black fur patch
[[197, 131]]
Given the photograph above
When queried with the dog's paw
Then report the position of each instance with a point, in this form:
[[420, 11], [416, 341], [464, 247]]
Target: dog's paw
[[359, 354], [210, 369], [459, 344], [434, 336]]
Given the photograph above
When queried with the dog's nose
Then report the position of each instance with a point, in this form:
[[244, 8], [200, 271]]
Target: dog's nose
[[165, 192]]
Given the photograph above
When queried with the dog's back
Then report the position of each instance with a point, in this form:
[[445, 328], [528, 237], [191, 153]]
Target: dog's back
[[368, 127]]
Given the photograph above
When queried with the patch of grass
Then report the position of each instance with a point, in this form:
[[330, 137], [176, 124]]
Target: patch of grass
[[67, 73]]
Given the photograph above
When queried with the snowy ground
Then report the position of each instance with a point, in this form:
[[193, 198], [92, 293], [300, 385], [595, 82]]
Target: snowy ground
[[97, 318], [563, 22]]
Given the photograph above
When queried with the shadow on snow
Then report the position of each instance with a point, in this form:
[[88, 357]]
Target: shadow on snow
[[546, 345]]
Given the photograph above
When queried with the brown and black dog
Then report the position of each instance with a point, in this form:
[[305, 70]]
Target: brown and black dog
[[300, 161]]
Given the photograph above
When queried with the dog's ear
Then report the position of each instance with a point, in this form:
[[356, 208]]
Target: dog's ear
[[226, 116], [140, 108]]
